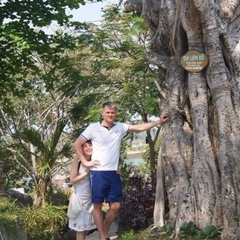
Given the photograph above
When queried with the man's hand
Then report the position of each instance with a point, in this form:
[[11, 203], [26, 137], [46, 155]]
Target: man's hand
[[92, 163], [164, 117]]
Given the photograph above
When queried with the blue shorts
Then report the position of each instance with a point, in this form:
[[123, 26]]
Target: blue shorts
[[106, 186]]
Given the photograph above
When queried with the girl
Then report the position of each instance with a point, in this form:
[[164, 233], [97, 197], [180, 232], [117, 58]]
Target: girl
[[79, 178]]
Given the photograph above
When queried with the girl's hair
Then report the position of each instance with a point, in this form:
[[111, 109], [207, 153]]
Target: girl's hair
[[89, 141]]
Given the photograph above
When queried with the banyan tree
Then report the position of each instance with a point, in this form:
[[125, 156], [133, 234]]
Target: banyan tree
[[196, 46]]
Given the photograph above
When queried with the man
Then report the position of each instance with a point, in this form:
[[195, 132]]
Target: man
[[106, 137]]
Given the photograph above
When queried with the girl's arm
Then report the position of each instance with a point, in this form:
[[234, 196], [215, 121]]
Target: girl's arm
[[74, 176]]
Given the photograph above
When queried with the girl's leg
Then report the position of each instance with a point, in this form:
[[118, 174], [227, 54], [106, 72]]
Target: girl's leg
[[81, 235]]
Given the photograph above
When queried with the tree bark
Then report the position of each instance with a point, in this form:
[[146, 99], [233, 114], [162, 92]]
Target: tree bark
[[40, 195], [159, 208]]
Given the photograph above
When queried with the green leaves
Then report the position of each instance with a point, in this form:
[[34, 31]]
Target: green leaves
[[188, 229], [47, 218], [209, 232], [24, 45], [31, 136], [37, 13]]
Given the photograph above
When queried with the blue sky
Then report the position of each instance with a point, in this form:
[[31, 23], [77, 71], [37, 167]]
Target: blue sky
[[91, 12]]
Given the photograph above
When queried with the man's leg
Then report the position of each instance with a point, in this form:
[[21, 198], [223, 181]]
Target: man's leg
[[114, 198], [110, 216], [98, 219], [98, 190]]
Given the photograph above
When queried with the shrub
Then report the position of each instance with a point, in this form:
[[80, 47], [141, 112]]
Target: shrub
[[128, 236], [166, 230], [137, 209], [9, 212], [209, 232], [43, 222], [188, 229]]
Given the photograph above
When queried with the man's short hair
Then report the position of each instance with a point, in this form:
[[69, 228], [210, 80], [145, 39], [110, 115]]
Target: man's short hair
[[109, 104]]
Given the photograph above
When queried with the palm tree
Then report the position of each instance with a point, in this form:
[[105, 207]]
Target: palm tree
[[44, 155]]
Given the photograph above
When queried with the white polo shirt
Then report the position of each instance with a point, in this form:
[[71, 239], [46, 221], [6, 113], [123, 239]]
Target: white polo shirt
[[106, 143]]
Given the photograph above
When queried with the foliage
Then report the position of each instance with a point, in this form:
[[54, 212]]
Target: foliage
[[237, 237], [188, 229], [113, 65], [38, 222], [34, 137], [128, 235], [43, 222], [150, 155], [166, 230], [14, 175], [9, 212], [137, 209], [127, 35], [24, 43], [209, 232], [236, 217], [139, 235], [32, 115], [130, 170], [58, 198]]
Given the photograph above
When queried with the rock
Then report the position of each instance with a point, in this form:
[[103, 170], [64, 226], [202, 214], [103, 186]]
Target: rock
[[12, 234], [22, 198]]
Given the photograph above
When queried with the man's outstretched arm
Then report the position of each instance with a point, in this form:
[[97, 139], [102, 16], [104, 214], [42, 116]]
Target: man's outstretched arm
[[145, 126]]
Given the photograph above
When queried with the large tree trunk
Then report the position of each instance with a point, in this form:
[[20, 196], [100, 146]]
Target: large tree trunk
[[202, 139]]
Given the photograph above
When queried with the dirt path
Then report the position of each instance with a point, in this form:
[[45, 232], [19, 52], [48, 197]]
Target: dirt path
[[112, 233]]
